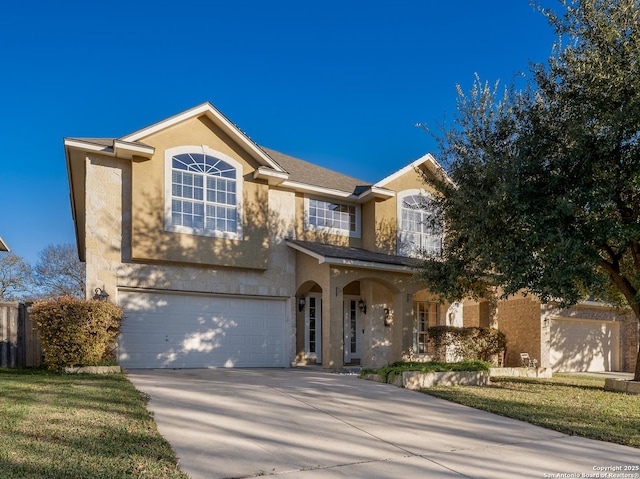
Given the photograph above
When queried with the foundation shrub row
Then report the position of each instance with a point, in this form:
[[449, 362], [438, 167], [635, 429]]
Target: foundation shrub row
[[468, 343]]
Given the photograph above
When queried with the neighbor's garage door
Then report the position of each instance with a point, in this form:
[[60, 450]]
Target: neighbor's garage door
[[193, 331], [585, 345]]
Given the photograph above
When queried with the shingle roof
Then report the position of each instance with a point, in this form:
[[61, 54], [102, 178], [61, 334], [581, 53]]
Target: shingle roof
[[350, 253], [302, 171]]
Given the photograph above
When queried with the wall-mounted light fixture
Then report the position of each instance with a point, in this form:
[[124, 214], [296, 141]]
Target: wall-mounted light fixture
[[546, 321], [362, 306], [387, 317], [100, 294], [301, 302]]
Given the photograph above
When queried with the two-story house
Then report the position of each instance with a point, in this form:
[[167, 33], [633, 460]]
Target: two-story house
[[224, 253]]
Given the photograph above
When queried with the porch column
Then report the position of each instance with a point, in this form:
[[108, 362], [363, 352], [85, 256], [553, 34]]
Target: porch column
[[403, 324], [332, 327]]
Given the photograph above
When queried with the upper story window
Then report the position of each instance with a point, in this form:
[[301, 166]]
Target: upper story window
[[330, 217], [203, 192], [417, 232]]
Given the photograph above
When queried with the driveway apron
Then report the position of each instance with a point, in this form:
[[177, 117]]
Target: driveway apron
[[307, 423]]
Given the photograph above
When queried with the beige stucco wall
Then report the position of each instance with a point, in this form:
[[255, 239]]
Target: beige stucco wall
[[321, 236], [151, 242]]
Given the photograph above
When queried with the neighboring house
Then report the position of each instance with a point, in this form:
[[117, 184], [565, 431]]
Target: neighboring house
[[224, 253], [3, 245]]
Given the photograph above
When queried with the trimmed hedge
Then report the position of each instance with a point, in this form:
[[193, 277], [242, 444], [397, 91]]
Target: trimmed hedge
[[76, 332], [481, 344]]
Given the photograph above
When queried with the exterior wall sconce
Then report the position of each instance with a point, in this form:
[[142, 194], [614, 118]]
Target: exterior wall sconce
[[362, 306], [301, 302], [100, 294], [546, 322], [387, 317]]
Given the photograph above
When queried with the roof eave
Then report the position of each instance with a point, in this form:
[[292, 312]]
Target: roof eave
[[375, 192], [118, 148], [428, 158], [273, 177], [333, 260], [213, 114], [320, 190], [3, 245]]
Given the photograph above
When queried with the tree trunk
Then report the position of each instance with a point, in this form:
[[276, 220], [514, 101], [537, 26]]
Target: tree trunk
[[629, 292]]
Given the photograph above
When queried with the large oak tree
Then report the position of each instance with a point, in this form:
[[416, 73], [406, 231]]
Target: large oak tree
[[543, 186]]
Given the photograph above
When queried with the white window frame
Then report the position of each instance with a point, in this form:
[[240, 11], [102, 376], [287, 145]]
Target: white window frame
[[425, 313], [404, 248], [331, 230], [168, 192]]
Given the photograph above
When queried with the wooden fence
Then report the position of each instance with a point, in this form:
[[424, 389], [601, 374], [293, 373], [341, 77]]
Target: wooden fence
[[19, 340]]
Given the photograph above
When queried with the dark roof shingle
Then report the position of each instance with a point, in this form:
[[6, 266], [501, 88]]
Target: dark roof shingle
[[302, 171]]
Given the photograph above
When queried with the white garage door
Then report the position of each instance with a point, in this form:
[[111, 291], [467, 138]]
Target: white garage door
[[586, 345], [163, 330]]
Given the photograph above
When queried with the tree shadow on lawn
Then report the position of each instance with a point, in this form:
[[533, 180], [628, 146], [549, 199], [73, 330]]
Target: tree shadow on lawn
[[504, 382], [575, 409]]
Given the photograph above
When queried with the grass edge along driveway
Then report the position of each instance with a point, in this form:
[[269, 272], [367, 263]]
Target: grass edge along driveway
[[572, 404], [78, 426]]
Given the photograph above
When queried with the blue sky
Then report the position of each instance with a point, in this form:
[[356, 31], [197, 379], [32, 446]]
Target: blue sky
[[340, 82]]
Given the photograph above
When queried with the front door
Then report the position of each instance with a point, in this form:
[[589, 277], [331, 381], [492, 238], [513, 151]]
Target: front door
[[352, 328], [313, 327]]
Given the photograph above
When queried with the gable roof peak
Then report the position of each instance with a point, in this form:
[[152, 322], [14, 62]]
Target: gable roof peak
[[220, 120], [427, 159]]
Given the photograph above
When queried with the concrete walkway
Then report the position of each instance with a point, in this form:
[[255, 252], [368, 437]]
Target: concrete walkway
[[312, 424]]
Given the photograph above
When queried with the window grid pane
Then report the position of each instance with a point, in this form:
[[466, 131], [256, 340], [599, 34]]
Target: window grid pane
[[332, 215], [426, 315], [190, 200], [418, 234]]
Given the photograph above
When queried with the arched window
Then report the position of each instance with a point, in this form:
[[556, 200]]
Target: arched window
[[418, 232], [203, 192]]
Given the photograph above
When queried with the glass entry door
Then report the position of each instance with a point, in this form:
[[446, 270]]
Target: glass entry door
[[352, 329], [313, 327]]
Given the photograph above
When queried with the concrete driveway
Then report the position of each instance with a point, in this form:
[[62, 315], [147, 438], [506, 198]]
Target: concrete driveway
[[307, 423]]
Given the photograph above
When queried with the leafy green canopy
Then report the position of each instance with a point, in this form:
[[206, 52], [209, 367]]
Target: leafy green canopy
[[545, 180]]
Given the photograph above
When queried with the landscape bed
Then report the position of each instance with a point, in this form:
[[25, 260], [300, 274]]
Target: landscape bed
[[418, 375]]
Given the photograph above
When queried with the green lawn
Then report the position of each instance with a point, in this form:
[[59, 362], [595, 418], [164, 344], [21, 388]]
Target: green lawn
[[78, 426], [576, 405]]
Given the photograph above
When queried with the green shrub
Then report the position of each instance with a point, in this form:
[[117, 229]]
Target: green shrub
[[397, 368], [76, 332], [481, 344]]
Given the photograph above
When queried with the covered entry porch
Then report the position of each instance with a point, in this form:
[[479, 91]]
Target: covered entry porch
[[353, 306]]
